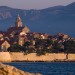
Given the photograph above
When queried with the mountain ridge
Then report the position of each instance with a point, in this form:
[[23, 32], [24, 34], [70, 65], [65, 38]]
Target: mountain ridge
[[50, 20]]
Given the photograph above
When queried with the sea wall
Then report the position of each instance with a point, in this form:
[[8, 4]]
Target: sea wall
[[5, 57], [16, 56], [34, 57], [71, 57]]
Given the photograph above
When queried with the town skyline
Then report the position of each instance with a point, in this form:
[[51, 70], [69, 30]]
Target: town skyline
[[40, 4]]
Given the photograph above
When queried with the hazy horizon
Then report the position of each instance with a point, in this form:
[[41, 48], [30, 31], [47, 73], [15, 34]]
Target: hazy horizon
[[34, 4]]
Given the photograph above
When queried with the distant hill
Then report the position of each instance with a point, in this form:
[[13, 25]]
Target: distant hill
[[49, 20]]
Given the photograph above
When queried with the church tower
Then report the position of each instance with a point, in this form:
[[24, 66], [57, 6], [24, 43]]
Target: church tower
[[18, 22]]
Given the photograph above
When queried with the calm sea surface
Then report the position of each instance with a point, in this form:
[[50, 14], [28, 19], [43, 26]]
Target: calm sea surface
[[46, 68]]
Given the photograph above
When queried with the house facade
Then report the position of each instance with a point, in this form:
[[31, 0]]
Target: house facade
[[4, 45]]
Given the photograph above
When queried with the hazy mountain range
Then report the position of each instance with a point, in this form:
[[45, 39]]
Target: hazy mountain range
[[49, 20]]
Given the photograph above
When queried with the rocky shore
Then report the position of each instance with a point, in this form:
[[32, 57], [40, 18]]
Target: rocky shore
[[10, 70]]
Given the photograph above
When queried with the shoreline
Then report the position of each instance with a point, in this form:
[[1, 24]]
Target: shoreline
[[41, 61]]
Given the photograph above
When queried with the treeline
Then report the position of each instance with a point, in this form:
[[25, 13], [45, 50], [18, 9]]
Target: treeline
[[43, 46]]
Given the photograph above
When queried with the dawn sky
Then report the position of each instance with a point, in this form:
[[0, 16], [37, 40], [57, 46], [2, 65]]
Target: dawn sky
[[34, 4]]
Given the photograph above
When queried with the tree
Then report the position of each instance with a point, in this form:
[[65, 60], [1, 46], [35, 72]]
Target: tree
[[27, 43], [69, 46], [16, 48]]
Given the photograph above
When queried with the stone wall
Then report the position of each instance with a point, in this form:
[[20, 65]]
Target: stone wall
[[16, 56], [34, 57], [5, 57], [71, 57]]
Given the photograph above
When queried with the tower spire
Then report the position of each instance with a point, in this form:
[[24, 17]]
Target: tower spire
[[18, 22]]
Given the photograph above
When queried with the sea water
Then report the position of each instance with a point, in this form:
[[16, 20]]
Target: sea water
[[46, 68]]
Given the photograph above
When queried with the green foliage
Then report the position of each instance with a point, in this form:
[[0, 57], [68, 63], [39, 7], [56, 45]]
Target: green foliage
[[69, 46], [26, 43], [16, 48], [49, 42], [43, 46], [41, 52]]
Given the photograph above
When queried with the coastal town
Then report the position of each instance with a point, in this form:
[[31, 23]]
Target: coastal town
[[37, 37], [19, 38]]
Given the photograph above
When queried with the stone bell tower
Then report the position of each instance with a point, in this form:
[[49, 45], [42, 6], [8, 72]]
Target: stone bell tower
[[18, 22]]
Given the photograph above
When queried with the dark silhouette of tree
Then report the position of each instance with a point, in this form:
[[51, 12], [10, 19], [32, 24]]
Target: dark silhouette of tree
[[16, 48], [69, 46]]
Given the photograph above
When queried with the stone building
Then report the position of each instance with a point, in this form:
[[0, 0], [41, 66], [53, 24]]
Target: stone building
[[18, 30], [18, 27], [18, 22], [4, 45]]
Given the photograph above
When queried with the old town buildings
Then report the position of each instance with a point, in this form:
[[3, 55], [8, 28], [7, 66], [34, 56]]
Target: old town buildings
[[21, 35], [13, 35]]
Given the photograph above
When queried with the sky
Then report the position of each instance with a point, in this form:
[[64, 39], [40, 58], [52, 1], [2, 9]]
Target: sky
[[34, 4]]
